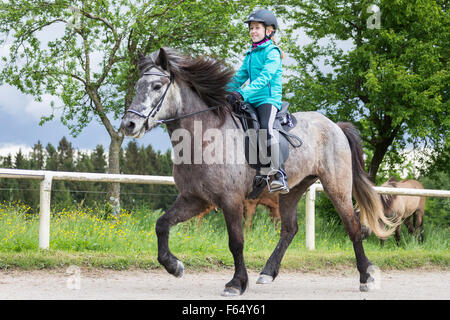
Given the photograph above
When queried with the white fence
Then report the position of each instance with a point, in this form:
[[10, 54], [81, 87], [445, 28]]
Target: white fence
[[311, 197], [46, 178]]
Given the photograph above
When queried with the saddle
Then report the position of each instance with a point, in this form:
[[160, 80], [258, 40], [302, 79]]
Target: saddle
[[284, 122]]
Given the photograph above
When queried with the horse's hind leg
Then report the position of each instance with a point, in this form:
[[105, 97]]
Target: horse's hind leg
[[418, 223], [409, 225], [398, 232], [182, 209], [342, 201], [289, 227]]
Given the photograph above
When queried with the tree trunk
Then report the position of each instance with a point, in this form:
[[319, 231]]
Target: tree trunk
[[382, 146], [113, 194], [375, 163]]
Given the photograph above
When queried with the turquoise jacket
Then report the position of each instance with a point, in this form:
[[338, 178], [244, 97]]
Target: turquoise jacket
[[262, 66]]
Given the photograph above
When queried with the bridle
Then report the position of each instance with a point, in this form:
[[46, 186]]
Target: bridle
[[158, 105]]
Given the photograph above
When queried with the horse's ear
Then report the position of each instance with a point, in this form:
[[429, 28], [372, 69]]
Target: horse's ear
[[140, 55], [163, 59]]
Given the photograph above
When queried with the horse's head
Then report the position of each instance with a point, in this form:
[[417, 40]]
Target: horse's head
[[152, 91]]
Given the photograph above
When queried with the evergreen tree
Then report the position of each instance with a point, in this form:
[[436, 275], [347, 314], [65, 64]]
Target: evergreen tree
[[131, 158], [98, 159], [37, 160], [65, 155], [64, 162], [20, 161], [52, 158], [8, 187]]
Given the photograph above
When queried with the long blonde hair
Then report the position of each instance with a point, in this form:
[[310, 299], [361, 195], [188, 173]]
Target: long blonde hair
[[270, 29]]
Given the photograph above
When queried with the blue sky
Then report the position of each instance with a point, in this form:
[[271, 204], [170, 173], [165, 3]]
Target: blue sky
[[20, 116], [19, 127]]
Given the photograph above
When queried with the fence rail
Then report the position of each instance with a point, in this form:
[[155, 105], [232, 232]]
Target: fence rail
[[311, 197], [46, 178]]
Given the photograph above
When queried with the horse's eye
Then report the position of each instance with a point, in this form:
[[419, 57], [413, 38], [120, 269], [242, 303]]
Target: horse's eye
[[157, 87]]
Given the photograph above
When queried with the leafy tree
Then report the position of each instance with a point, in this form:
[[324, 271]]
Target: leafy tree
[[393, 81], [91, 68], [437, 210]]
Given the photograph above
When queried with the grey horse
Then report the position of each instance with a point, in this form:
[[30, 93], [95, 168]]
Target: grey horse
[[188, 95]]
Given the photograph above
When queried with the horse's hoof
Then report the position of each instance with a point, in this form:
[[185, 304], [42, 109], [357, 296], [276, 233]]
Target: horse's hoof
[[363, 287], [369, 285], [179, 271], [231, 292], [264, 279]]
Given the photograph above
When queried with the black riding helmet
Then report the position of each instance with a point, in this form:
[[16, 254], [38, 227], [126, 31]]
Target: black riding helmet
[[264, 16]]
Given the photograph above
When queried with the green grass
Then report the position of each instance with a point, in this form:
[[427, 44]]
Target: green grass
[[92, 238]]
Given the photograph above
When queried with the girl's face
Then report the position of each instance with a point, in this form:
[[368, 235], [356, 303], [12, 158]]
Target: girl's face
[[257, 31]]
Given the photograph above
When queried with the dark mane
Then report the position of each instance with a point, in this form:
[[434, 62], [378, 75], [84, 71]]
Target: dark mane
[[206, 76]]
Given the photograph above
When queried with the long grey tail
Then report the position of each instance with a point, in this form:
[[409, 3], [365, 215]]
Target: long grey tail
[[369, 202]]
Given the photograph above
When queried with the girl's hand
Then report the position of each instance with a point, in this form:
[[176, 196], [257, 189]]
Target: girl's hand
[[234, 98]]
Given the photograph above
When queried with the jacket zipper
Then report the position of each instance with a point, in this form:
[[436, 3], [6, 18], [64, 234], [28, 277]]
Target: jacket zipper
[[270, 90], [250, 67]]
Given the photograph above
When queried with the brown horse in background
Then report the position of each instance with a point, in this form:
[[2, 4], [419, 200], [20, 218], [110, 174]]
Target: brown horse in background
[[269, 200], [404, 207]]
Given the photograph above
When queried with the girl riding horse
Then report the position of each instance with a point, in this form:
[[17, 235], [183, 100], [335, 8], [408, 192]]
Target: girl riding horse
[[263, 68]]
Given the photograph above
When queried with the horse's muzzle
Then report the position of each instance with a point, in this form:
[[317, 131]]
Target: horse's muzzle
[[128, 126]]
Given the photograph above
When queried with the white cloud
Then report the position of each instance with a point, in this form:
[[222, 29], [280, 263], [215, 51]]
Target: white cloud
[[37, 109], [17, 104], [4, 50], [12, 101], [12, 149]]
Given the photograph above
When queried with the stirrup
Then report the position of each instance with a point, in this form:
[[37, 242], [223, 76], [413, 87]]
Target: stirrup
[[283, 188]]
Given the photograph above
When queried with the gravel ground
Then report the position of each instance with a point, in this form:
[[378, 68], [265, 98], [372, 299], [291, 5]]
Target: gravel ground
[[96, 284]]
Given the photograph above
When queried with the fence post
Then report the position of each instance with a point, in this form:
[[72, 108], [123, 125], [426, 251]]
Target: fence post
[[309, 219], [44, 215]]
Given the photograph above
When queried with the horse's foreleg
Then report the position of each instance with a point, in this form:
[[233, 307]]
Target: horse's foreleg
[[182, 209], [233, 219]]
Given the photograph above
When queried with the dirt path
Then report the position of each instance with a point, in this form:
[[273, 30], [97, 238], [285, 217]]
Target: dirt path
[[157, 284]]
